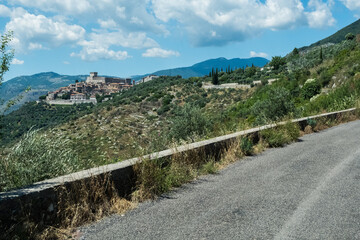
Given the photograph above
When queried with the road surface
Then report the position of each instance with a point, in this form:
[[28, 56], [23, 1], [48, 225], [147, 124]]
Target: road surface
[[306, 190]]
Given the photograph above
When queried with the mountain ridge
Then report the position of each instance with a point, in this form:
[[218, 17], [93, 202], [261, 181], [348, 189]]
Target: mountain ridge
[[337, 37], [203, 68], [43, 82]]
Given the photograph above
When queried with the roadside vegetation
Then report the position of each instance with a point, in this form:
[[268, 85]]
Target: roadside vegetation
[[41, 141], [170, 111]]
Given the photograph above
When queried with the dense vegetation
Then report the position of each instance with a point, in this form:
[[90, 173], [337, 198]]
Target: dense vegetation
[[339, 36], [34, 116], [171, 110]]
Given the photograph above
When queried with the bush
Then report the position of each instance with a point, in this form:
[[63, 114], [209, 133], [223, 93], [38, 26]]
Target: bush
[[277, 62], [189, 123], [276, 104], [311, 122], [279, 136], [311, 88], [350, 36], [36, 157], [246, 146]]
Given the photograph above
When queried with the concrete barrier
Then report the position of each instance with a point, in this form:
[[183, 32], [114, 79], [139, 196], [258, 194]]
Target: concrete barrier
[[38, 201]]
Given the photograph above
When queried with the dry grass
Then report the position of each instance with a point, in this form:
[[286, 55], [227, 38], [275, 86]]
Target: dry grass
[[90, 201], [84, 202]]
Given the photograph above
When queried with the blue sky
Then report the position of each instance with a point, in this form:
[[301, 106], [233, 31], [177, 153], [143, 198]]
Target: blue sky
[[126, 37]]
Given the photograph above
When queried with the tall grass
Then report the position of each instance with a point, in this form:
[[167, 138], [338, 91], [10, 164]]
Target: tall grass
[[37, 157]]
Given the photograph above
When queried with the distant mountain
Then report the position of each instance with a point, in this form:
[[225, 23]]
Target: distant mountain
[[40, 84], [338, 36], [203, 68]]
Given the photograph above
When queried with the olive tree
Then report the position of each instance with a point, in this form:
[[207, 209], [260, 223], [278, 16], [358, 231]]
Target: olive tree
[[6, 54]]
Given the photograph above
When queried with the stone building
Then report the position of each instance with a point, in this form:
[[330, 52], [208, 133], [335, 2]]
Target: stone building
[[95, 79]]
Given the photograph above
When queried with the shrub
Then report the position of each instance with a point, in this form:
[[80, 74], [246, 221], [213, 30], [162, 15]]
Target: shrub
[[277, 62], [36, 157], [311, 122], [279, 136], [311, 88], [349, 36], [189, 123], [276, 105], [246, 146], [264, 82]]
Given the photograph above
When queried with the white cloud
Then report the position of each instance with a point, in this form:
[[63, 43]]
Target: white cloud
[[160, 53], [99, 45], [128, 15], [258, 54], [39, 32], [212, 22], [65, 6], [98, 53], [352, 4], [16, 61], [66, 62], [4, 11], [136, 40], [321, 16]]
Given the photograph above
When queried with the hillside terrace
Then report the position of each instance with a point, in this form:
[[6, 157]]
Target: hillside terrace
[[87, 90]]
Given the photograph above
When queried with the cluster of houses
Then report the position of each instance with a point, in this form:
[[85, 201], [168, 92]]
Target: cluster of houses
[[85, 92]]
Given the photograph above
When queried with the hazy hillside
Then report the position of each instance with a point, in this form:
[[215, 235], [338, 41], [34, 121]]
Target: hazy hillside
[[40, 84], [203, 68], [338, 36]]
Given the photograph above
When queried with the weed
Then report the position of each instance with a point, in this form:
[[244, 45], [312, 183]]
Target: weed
[[311, 122], [246, 146], [36, 157], [209, 168], [281, 135]]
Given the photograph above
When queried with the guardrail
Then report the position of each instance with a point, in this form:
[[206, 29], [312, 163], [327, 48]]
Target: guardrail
[[39, 200]]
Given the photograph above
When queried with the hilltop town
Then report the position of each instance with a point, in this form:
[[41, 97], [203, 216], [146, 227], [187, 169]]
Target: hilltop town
[[85, 92]]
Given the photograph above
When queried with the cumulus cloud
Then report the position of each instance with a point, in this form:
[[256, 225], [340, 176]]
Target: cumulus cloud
[[66, 6], [4, 11], [160, 53], [258, 54], [38, 32], [352, 4], [120, 23], [94, 53], [99, 45], [321, 16], [16, 61], [211, 22], [127, 15]]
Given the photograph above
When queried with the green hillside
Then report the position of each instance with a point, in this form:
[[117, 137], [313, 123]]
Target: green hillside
[[337, 37], [40, 84], [170, 111]]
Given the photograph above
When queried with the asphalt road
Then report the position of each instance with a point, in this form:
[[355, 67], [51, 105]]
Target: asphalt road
[[306, 190]]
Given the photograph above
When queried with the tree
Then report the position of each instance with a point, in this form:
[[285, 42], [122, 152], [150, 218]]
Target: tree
[[215, 78], [6, 53], [321, 55], [311, 88], [277, 62], [295, 52], [274, 106], [349, 36], [189, 124], [250, 71]]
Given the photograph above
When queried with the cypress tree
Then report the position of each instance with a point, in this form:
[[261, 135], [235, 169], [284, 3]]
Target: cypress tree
[[321, 55], [215, 78]]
